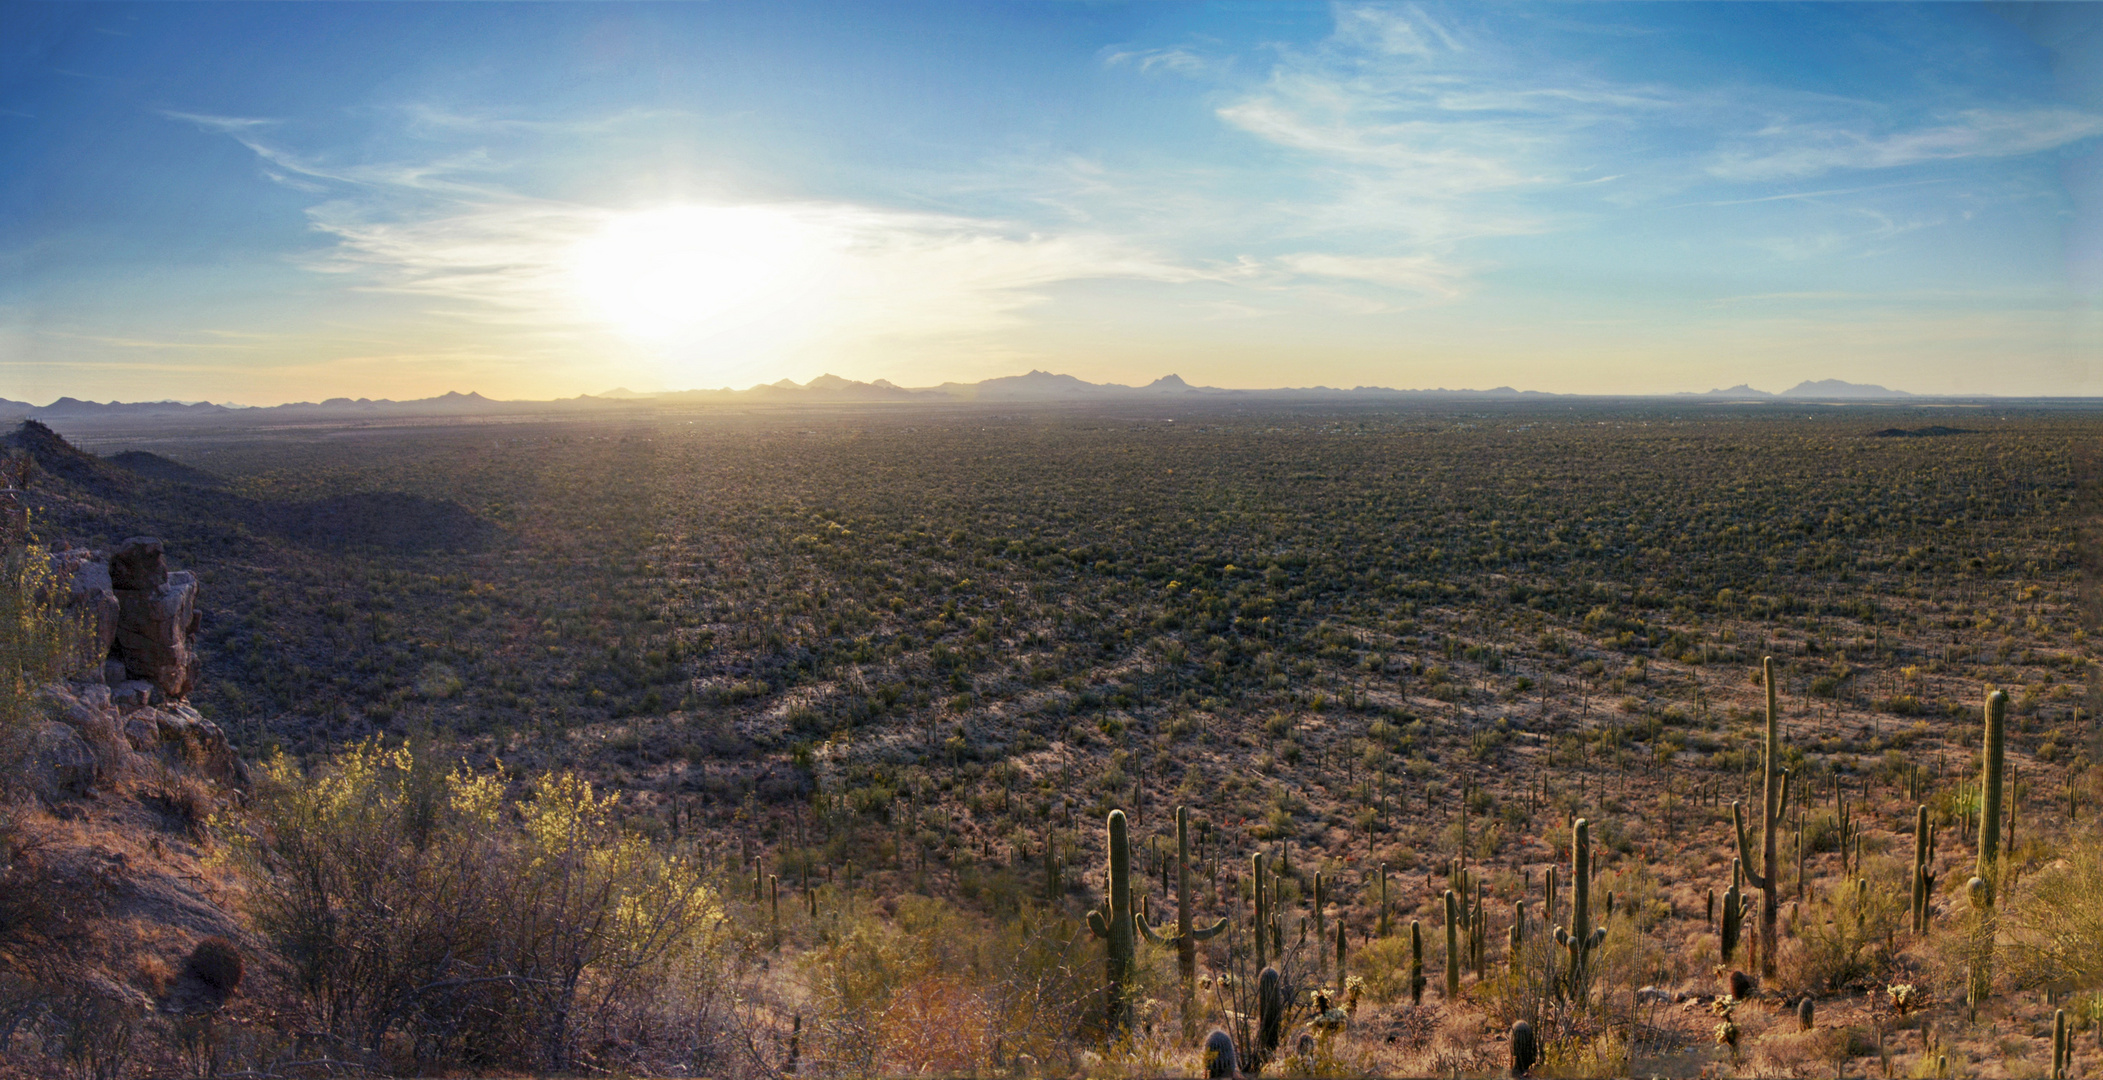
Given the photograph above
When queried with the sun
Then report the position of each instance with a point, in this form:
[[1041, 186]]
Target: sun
[[684, 271]]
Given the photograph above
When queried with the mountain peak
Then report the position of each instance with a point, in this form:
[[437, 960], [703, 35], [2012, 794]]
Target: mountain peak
[[1839, 388]]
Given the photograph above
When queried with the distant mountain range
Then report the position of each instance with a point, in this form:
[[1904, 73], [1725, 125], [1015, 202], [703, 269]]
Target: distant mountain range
[[1041, 386], [1820, 390]]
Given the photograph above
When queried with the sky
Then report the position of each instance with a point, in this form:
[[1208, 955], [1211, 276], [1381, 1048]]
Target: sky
[[263, 202]]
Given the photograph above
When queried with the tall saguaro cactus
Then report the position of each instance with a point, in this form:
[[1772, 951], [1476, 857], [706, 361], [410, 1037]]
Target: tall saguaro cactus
[[1985, 882], [1990, 792], [1416, 963], [1452, 945], [1581, 937], [1733, 914], [1774, 797], [1263, 908], [1923, 861], [1114, 923], [1186, 936]]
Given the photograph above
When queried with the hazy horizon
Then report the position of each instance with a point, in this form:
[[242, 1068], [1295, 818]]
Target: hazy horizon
[[273, 203]]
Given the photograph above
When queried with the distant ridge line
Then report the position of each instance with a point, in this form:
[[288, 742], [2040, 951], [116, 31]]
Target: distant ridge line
[[1032, 386]]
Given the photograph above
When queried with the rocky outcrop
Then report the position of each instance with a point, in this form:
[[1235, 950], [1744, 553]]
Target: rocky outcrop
[[96, 735], [140, 618]]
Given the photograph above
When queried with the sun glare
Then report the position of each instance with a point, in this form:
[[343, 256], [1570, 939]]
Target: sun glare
[[694, 270]]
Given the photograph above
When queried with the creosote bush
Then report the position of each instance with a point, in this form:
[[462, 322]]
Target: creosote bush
[[2054, 921], [429, 913]]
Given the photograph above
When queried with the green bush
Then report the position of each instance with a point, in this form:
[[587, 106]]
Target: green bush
[[34, 634], [429, 906]]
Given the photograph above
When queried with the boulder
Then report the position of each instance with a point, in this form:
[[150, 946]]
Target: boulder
[[87, 710], [142, 730], [187, 738], [62, 763], [140, 564], [132, 694]]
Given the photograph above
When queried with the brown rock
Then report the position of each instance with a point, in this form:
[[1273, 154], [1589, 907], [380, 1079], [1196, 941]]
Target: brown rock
[[142, 730], [131, 694], [140, 564], [154, 631], [189, 739], [62, 762], [86, 708]]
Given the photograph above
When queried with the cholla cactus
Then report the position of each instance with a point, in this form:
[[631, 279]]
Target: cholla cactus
[[1727, 1035]]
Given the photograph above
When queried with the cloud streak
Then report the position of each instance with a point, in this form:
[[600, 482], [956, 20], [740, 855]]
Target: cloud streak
[[1787, 152]]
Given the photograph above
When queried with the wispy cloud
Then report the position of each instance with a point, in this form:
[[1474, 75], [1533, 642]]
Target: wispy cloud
[[1787, 151], [478, 253], [1425, 275], [1806, 196], [1180, 60]]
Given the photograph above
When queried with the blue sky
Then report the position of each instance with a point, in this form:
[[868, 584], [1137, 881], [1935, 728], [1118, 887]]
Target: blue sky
[[263, 202]]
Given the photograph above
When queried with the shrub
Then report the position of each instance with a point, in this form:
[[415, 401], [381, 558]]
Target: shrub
[[1846, 938], [2053, 922], [34, 637], [411, 900]]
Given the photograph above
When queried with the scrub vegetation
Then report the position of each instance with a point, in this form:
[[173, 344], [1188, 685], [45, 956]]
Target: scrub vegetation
[[834, 708]]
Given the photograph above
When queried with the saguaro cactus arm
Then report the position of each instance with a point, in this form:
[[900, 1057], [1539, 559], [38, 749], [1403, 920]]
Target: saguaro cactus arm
[[1745, 855]]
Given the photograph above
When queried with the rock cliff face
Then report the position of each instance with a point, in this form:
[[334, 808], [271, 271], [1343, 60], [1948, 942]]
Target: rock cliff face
[[141, 620]]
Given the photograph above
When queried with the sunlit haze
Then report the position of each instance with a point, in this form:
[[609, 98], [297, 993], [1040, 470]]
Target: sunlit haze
[[262, 203]]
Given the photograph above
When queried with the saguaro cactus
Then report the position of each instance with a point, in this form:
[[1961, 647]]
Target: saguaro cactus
[[1452, 945], [1416, 963], [1263, 910], [1581, 937], [1270, 1015], [1525, 1051], [1733, 914], [1990, 793], [1114, 923], [1515, 938], [1923, 859], [1186, 936], [1774, 799], [1383, 900], [2062, 1046], [1985, 880]]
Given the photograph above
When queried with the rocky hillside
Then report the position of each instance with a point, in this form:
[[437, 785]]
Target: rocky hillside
[[118, 935]]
